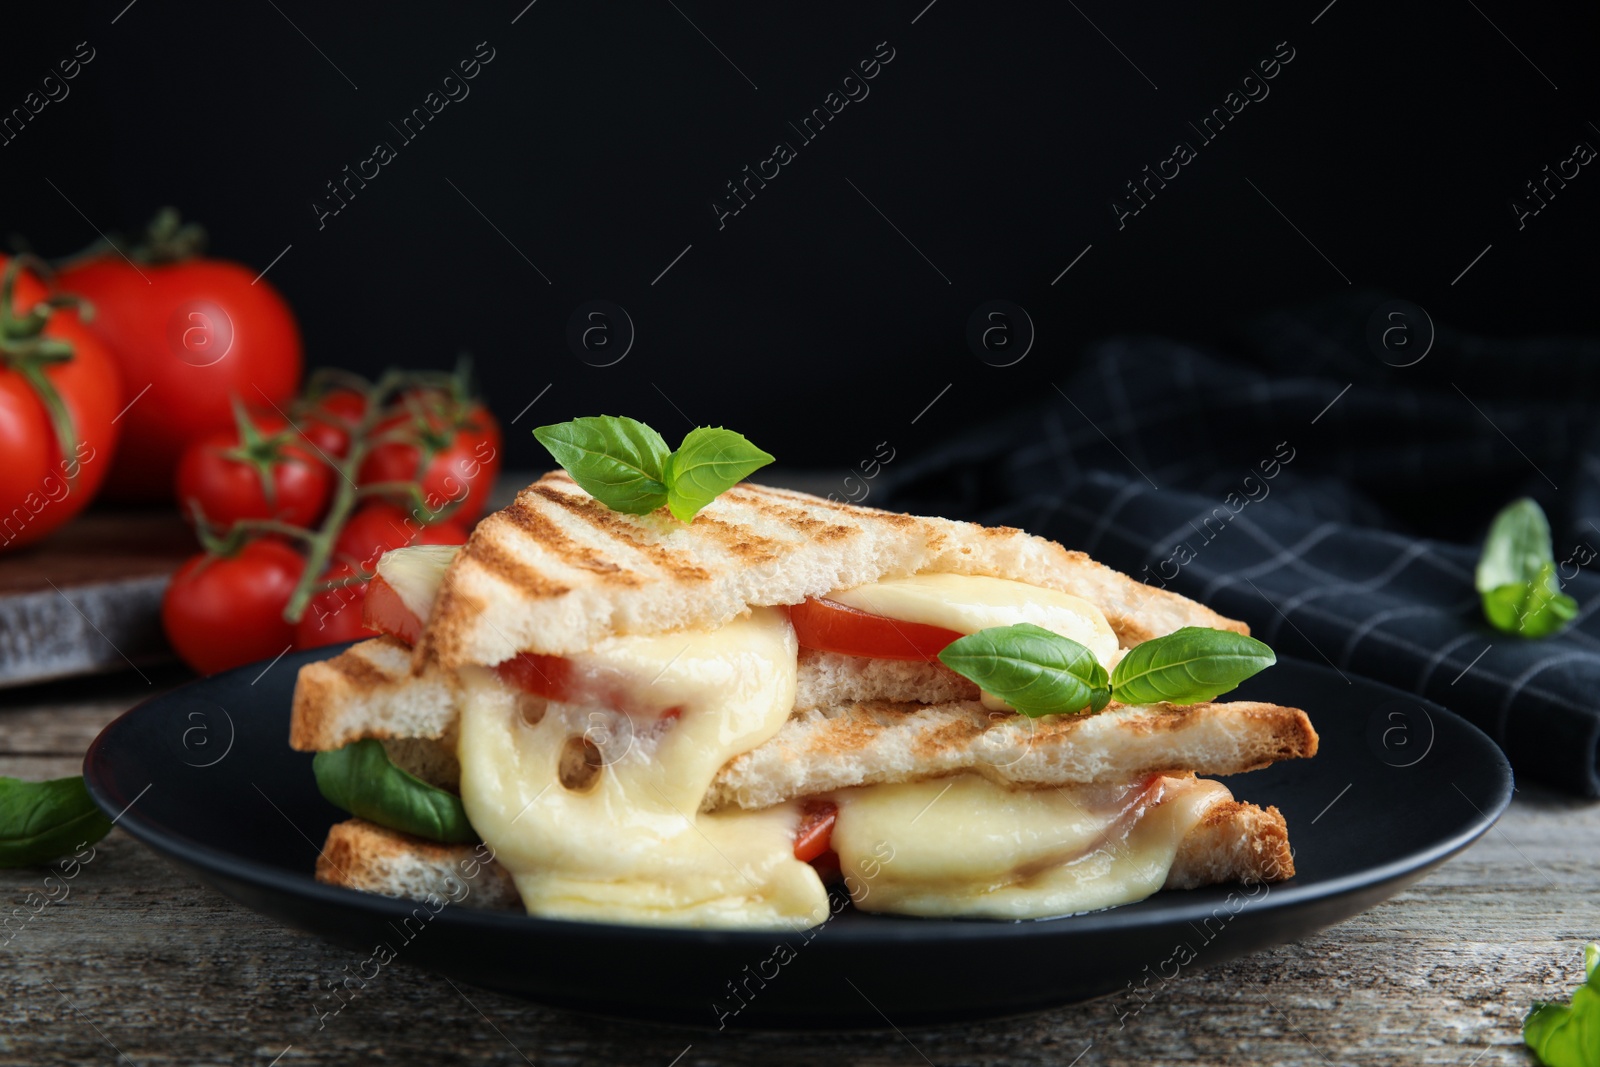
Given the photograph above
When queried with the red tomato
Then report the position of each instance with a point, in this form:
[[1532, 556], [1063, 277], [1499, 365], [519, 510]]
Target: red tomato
[[222, 612], [329, 422], [813, 837], [558, 678], [550, 677], [41, 486], [267, 477], [385, 612], [197, 333], [335, 615], [453, 458], [380, 527], [832, 627]]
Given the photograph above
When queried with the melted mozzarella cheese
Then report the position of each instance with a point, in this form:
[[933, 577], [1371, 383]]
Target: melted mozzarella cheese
[[967, 846], [967, 603], [631, 846], [415, 574]]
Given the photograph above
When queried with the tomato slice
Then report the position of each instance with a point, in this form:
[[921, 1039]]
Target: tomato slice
[[543, 676], [558, 678], [829, 626], [386, 613], [815, 834]]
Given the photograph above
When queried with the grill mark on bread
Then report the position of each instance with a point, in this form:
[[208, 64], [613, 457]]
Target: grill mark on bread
[[555, 540], [504, 563], [361, 672], [829, 543], [748, 546], [604, 520], [835, 532], [794, 515]]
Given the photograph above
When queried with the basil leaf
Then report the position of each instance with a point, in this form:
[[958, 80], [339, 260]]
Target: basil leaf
[[360, 779], [710, 461], [1536, 608], [619, 461], [1518, 545], [1188, 666], [1568, 1035], [42, 820], [1032, 669], [1516, 576]]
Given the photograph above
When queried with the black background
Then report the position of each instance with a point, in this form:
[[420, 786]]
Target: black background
[[595, 141]]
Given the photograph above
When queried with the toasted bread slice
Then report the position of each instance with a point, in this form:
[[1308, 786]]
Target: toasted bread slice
[[557, 570], [821, 750], [827, 679], [369, 691], [1234, 842], [363, 855]]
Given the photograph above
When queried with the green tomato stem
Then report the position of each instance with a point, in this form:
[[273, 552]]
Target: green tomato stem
[[347, 495]]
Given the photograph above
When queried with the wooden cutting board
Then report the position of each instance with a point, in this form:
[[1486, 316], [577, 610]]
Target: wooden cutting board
[[88, 598]]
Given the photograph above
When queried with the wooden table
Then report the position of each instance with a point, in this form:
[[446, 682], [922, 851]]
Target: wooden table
[[140, 960]]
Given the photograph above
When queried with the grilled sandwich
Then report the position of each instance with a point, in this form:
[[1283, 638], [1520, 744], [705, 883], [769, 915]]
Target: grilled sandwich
[[705, 723]]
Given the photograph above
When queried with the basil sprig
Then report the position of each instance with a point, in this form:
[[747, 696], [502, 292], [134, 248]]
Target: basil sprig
[[1188, 666], [1568, 1035], [42, 820], [626, 465], [360, 779], [1039, 672], [1516, 577], [1032, 669]]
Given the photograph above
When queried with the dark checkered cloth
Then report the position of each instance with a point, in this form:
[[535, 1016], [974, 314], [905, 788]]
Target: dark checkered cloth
[[1335, 503]]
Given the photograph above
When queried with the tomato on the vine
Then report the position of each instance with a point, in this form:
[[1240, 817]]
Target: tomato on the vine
[[188, 333], [379, 527], [334, 616], [226, 611], [59, 398], [255, 471], [329, 421], [451, 449]]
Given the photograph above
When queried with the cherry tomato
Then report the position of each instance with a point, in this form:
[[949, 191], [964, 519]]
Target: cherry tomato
[[41, 484], [453, 455], [329, 422], [815, 833], [188, 337], [246, 474], [335, 615], [222, 612], [379, 527], [385, 612], [832, 627]]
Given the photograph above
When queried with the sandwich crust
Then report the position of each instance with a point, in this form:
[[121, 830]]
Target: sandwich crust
[[368, 691], [557, 570], [840, 740], [1233, 842], [375, 859], [821, 750]]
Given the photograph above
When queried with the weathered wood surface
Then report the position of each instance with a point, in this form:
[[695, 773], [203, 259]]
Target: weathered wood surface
[[140, 960]]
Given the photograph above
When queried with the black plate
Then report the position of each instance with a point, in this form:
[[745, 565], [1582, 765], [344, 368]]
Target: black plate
[[1399, 785]]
